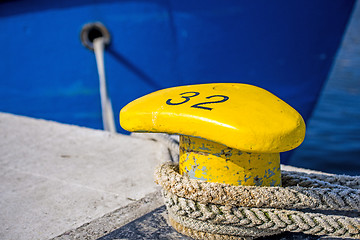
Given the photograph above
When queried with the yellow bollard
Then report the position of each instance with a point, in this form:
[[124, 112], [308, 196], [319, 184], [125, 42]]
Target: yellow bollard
[[229, 133]]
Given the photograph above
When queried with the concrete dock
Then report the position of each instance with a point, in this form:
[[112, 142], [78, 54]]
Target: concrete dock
[[57, 177]]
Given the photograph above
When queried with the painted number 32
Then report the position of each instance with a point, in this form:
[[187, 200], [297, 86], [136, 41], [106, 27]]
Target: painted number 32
[[187, 95]]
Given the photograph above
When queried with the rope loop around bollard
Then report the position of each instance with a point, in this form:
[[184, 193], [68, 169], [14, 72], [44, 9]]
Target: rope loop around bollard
[[308, 203]]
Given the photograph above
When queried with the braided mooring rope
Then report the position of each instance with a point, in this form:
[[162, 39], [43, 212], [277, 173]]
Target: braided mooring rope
[[221, 211], [202, 235]]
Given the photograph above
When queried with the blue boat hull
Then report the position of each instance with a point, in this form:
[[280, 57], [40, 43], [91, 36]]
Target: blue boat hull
[[286, 47]]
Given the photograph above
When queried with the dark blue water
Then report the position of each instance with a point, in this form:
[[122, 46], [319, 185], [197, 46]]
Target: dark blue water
[[332, 141]]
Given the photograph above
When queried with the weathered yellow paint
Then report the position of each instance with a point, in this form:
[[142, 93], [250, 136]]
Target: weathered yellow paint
[[213, 162], [251, 119], [230, 133]]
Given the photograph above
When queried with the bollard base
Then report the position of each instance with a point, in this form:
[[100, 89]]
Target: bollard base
[[205, 160]]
